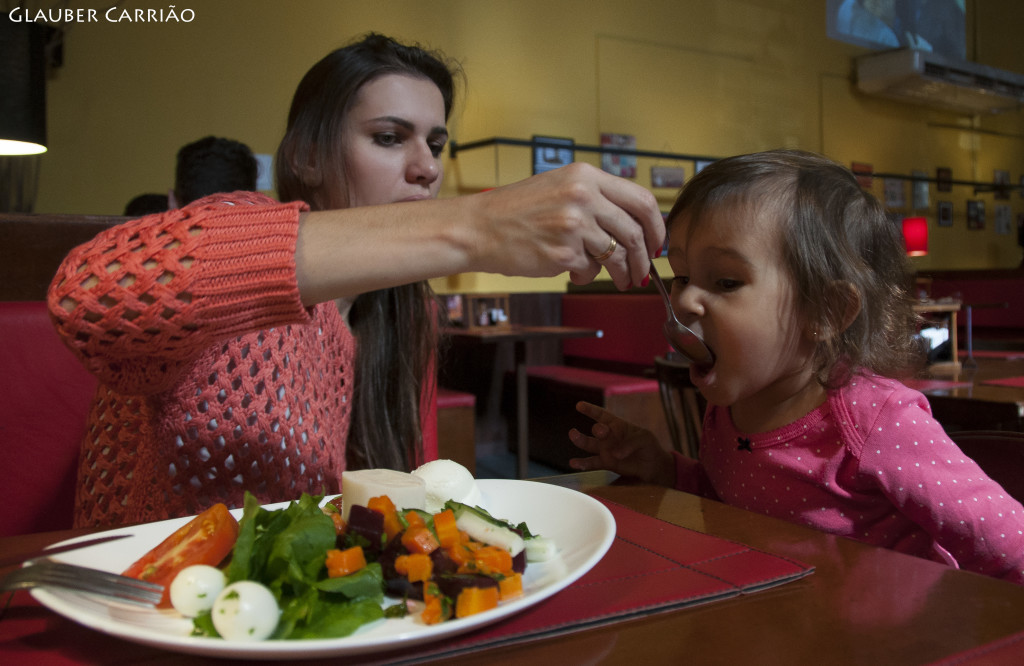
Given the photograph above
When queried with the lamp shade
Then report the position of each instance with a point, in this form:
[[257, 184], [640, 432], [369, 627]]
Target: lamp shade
[[915, 236], [23, 86]]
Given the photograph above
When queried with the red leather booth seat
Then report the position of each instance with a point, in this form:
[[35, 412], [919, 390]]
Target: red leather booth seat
[[45, 400], [456, 427], [998, 312], [631, 324]]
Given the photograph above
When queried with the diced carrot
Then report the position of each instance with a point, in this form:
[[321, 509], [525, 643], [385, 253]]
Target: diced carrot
[[444, 525], [384, 506], [474, 600], [460, 554], [345, 562], [511, 587], [491, 559], [419, 539], [413, 518], [437, 608], [431, 610], [339, 523], [417, 567]]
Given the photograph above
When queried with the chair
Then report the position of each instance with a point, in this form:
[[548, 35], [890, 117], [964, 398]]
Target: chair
[[1000, 453], [683, 404], [43, 408]]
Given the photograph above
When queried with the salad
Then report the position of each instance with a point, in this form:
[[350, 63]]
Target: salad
[[306, 572]]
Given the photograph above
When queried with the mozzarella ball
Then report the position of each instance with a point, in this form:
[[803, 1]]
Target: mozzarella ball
[[447, 480], [245, 611], [195, 588]]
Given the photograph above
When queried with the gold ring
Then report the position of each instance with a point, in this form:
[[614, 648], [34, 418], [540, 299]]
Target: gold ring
[[607, 253]]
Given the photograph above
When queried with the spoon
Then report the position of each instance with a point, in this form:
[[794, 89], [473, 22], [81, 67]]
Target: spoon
[[685, 341]]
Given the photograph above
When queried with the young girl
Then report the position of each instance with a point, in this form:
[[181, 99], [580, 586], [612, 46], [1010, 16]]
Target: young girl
[[796, 279], [246, 344]]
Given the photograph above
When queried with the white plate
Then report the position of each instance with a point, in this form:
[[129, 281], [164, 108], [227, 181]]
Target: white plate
[[582, 528]]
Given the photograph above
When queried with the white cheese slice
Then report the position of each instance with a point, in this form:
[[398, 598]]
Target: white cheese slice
[[360, 486]]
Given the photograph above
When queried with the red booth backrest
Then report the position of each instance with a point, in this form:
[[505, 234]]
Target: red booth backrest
[[46, 398], [631, 326]]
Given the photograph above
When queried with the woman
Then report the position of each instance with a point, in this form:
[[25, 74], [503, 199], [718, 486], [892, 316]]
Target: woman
[[225, 334]]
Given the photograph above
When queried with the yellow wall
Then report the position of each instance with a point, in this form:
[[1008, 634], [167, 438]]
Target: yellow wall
[[685, 76]]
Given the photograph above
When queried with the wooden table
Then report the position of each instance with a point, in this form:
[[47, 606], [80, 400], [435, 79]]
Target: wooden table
[[861, 605], [519, 335], [965, 401]]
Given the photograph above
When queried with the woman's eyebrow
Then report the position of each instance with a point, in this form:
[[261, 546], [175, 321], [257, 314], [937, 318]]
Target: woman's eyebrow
[[402, 122]]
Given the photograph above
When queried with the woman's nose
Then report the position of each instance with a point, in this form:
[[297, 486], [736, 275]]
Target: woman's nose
[[422, 167]]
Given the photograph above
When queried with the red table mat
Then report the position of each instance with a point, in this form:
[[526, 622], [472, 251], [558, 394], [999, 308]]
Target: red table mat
[[1006, 381], [652, 566]]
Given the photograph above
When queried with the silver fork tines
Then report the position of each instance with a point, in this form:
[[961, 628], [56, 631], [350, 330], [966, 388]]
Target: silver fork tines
[[45, 572]]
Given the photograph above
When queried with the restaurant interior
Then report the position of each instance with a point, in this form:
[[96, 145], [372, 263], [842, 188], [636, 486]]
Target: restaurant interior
[[650, 90]]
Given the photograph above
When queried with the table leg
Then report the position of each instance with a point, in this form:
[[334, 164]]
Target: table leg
[[522, 417]]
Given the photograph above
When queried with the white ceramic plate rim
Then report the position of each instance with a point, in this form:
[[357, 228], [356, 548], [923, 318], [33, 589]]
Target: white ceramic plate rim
[[583, 529]]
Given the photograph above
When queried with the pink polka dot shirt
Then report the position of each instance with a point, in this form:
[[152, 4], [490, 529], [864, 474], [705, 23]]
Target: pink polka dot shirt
[[870, 464]]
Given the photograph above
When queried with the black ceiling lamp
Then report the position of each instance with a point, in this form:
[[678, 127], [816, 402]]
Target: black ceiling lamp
[[23, 86]]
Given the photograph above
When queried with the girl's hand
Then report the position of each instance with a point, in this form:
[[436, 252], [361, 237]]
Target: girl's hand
[[621, 447]]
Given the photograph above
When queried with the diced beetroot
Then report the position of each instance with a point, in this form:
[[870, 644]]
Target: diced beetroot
[[368, 524], [519, 562], [450, 585], [443, 563]]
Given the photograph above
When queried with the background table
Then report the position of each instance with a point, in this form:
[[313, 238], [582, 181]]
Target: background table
[[519, 336]]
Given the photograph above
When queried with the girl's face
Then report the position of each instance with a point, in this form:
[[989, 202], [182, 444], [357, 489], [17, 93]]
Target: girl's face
[[393, 136], [732, 287]]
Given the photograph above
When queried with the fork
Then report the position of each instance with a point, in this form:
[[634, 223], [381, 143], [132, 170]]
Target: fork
[[44, 572]]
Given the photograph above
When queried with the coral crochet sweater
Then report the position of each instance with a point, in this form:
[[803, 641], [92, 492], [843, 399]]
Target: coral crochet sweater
[[214, 379]]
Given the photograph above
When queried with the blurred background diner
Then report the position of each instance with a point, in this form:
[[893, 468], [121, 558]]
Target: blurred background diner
[[682, 82]]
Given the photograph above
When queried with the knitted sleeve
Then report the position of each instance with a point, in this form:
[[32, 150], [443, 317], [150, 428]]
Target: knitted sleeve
[[142, 299]]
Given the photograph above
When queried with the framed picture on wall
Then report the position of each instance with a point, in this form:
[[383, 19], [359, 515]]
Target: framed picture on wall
[[698, 165], [975, 214], [944, 218], [664, 176], [944, 179], [920, 190], [863, 171], [551, 152], [1003, 219], [1001, 179], [615, 163]]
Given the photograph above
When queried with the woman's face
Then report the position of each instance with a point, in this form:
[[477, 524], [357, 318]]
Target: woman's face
[[394, 136], [733, 288]]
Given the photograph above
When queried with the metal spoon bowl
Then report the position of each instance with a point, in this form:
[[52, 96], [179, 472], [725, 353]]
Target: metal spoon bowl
[[685, 341]]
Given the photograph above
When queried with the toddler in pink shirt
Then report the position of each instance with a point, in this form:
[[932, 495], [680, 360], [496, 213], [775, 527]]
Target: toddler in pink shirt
[[795, 278]]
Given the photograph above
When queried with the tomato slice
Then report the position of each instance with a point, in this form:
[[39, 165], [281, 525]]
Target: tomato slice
[[206, 539]]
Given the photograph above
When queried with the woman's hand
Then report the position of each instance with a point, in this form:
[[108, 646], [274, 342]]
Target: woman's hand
[[566, 220], [558, 221], [621, 447]]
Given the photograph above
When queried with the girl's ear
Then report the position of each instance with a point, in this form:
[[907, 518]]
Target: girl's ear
[[847, 295], [846, 306]]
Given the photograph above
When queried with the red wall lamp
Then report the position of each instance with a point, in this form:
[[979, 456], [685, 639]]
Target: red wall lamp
[[915, 236]]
